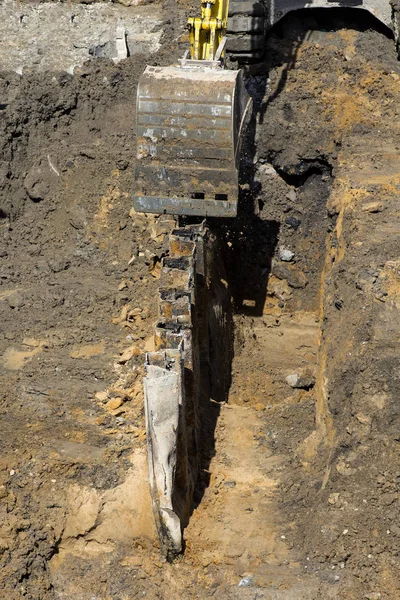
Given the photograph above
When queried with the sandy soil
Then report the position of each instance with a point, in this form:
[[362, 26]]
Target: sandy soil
[[301, 494]]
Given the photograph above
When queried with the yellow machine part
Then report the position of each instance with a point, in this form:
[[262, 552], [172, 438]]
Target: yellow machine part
[[207, 31]]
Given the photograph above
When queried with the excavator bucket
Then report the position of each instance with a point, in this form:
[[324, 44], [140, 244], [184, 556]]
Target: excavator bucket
[[189, 123]]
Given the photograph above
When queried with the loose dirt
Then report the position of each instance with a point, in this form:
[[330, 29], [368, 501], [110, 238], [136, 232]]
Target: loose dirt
[[300, 498]]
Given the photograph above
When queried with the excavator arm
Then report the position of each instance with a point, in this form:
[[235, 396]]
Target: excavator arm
[[207, 32]]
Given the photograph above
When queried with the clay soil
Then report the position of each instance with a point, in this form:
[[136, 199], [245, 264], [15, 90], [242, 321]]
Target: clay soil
[[300, 498]]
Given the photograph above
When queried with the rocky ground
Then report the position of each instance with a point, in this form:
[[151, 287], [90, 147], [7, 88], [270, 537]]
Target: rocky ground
[[301, 494]]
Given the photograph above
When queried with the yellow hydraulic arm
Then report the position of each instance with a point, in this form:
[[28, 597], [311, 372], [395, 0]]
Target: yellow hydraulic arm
[[207, 31]]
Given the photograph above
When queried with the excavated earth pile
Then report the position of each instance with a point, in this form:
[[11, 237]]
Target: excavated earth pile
[[299, 489]]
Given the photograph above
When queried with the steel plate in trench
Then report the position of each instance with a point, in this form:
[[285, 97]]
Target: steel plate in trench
[[188, 126]]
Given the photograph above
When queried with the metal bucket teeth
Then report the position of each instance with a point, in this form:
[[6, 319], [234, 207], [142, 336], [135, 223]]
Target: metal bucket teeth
[[188, 122]]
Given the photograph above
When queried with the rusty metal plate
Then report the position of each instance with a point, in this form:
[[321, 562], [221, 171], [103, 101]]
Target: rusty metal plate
[[188, 121]]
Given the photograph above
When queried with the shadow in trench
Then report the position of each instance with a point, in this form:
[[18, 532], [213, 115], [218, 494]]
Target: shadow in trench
[[248, 259], [249, 241], [215, 339]]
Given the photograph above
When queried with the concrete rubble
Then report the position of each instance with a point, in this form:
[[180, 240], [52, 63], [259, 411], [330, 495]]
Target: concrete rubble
[[60, 37]]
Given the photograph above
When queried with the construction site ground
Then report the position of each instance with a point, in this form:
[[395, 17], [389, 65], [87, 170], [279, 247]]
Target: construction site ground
[[299, 495]]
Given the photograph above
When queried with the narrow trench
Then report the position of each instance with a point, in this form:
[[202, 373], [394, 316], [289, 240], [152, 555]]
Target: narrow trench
[[268, 336], [274, 257]]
